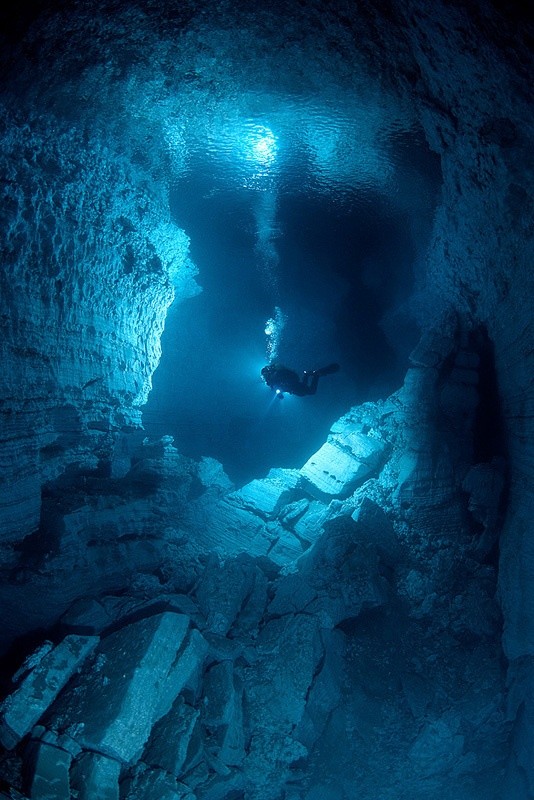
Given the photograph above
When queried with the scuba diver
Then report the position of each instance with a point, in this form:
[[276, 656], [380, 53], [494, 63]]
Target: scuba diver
[[282, 379]]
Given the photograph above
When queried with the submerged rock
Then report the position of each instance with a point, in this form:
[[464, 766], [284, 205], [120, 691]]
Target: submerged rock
[[342, 464], [26, 705], [95, 777], [136, 676]]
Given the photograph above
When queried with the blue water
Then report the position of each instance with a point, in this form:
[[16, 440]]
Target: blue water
[[338, 255]]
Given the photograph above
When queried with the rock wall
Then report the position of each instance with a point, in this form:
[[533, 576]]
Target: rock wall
[[471, 74], [90, 264]]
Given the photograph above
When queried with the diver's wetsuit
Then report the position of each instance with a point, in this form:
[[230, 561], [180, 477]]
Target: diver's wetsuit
[[287, 380]]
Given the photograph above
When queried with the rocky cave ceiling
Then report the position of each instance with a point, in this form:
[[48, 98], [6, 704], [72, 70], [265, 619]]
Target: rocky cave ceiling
[[361, 622]]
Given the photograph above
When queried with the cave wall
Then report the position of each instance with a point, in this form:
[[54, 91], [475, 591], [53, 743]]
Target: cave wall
[[91, 263], [477, 113]]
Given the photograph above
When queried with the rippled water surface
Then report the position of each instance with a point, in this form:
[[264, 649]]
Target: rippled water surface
[[289, 145]]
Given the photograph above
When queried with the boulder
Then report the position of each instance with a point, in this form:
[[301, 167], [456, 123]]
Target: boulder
[[23, 708], [47, 769], [171, 737], [222, 591], [287, 549], [95, 777], [254, 605], [212, 475], [87, 615], [267, 496], [137, 674], [325, 693], [342, 463], [230, 528], [310, 525], [222, 714], [293, 593], [153, 784], [345, 574]]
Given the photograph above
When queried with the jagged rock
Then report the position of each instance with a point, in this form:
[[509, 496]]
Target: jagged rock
[[95, 777], [158, 464], [326, 691], [343, 462], [62, 740], [230, 529], [269, 763], [254, 605], [212, 475], [276, 689], [153, 784], [25, 706], [221, 648], [221, 787], [198, 774], [267, 496], [292, 595], [104, 540], [286, 549], [291, 513], [122, 609], [439, 746], [289, 649], [310, 525], [222, 590], [345, 574], [474, 612], [86, 615], [31, 661], [375, 527], [219, 695], [222, 714], [48, 772], [171, 738], [137, 674]]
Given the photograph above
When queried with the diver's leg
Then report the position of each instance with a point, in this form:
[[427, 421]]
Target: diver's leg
[[312, 386]]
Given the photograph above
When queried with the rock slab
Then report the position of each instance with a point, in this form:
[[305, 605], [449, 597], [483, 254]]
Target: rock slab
[[21, 710]]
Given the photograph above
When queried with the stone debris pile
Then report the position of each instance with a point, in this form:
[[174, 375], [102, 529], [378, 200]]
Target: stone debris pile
[[344, 602]]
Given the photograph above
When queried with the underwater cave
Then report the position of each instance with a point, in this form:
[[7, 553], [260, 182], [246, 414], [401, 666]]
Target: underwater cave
[[218, 586]]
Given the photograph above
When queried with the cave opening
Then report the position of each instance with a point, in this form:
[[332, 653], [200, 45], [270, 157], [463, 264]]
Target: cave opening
[[337, 259]]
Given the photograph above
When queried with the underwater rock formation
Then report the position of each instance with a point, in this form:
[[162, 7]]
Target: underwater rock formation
[[361, 624], [372, 611]]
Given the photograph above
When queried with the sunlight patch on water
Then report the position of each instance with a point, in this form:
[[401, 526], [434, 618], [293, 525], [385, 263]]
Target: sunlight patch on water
[[275, 143]]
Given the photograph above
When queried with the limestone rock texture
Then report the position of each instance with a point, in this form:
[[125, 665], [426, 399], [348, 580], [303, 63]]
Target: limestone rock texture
[[360, 625]]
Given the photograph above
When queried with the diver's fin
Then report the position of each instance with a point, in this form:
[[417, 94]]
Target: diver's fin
[[329, 370]]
